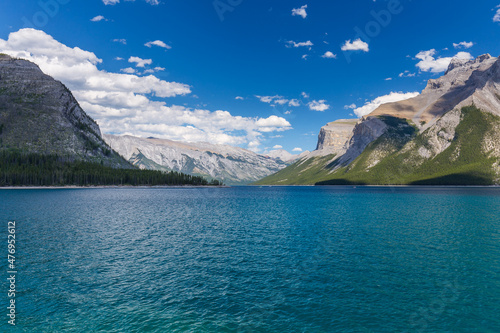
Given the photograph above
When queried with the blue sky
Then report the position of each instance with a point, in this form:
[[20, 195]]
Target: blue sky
[[257, 74]]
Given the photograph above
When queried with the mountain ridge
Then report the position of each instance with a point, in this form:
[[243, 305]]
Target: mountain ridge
[[421, 129], [232, 165]]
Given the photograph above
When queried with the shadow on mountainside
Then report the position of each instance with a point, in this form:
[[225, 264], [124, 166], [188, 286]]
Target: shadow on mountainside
[[341, 182], [456, 179]]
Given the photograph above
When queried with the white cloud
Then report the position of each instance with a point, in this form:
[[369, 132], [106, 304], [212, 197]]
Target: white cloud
[[267, 99], [140, 62], [277, 99], [278, 147], [128, 70], [318, 105], [119, 58], [357, 45], [305, 56], [430, 64], [98, 18], [297, 149], [496, 18], [239, 98], [122, 104], [305, 95], [154, 70], [329, 55], [300, 11], [122, 41], [158, 43], [388, 79], [407, 74], [369, 107], [300, 44], [352, 106], [465, 45]]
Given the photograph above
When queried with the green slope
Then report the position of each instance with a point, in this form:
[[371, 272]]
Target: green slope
[[302, 172]]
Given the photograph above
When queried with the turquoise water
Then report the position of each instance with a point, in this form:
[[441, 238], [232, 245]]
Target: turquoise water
[[245, 259]]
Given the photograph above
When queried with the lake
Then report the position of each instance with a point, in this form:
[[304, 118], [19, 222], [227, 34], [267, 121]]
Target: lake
[[250, 259]]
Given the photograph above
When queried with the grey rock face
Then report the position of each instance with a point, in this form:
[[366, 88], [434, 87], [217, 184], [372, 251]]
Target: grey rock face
[[363, 134], [336, 134], [232, 165], [40, 115]]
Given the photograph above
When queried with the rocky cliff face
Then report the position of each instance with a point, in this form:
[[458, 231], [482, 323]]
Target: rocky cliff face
[[232, 165], [335, 134], [40, 115], [449, 134]]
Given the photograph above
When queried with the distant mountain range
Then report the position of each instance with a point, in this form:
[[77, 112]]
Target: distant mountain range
[[232, 165], [447, 135]]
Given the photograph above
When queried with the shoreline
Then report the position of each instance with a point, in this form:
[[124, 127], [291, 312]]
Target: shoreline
[[70, 187], [75, 187]]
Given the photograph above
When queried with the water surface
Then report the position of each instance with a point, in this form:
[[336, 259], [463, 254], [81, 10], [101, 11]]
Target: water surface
[[247, 259]]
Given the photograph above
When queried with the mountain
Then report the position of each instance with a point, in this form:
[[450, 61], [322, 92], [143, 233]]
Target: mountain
[[232, 165], [40, 115], [447, 135], [284, 155]]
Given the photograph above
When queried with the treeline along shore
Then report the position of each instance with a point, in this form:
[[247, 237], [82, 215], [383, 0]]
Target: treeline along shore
[[31, 169]]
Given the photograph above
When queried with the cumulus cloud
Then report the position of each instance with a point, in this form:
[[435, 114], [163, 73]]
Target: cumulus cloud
[[357, 45], [352, 106], [496, 18], [318, 105], [128, 70], [122, 103], [329, 55], [465, 45], [299, 44], [278, 147], [158, 43], [154, 70], [297, 149], [140, 62], [430, 64], [277, 99], [122, 41], [407, 74], [300, 11], [369, 107], [98, 18], [305, 95], [239, 98]]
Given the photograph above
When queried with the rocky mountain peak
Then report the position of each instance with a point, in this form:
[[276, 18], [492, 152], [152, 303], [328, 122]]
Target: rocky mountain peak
[[467, 64], [38, 114]]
